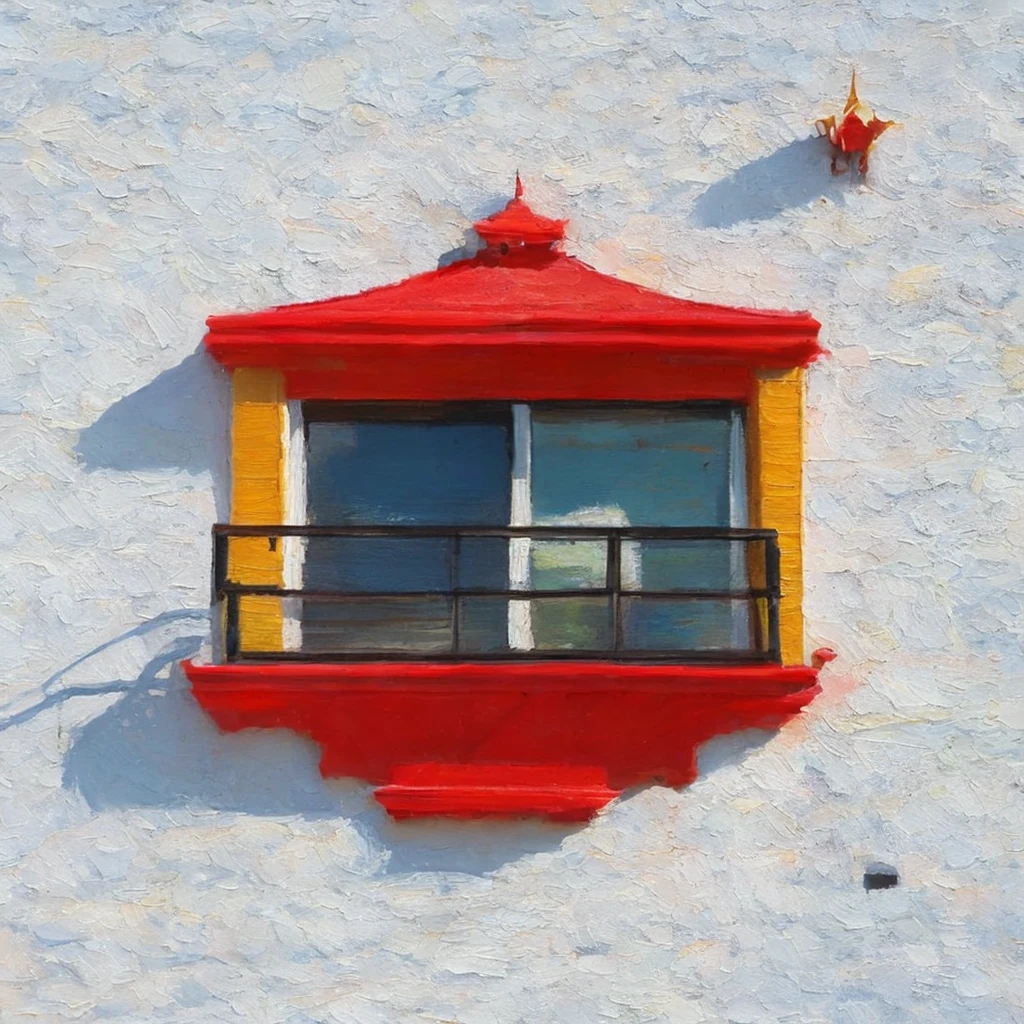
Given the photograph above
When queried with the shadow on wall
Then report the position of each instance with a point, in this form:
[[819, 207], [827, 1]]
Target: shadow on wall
[[730, 750], [180, 420], [55, 690], [792, 176], [471, 245], [155, 747]]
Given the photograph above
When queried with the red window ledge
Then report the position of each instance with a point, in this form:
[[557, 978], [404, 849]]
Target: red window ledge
[[558, 740]]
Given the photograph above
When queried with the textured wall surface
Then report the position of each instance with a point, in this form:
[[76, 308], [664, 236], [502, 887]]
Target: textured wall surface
[[162, 161]]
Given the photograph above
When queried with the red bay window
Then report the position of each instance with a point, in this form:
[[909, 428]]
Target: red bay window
[[512, 535]]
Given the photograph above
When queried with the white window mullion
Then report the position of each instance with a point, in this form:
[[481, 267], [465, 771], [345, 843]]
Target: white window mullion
[[739, 516], [520, 627], [738, 510], [294, 548]]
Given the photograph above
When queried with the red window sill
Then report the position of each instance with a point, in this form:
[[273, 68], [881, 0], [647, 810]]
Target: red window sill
[[555, 739]]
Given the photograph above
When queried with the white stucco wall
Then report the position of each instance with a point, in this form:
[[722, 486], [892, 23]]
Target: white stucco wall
[[165, 161]]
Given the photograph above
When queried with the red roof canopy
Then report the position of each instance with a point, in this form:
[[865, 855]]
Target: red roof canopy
[[522, 289], [508, 309]]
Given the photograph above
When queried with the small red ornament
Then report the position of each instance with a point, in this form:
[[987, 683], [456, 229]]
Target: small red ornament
[[822, 656], [855, 133]]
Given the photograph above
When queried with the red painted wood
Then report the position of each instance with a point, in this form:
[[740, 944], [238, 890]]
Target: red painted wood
[[639, 723], [526, 289], [518, 320], [475, 791], [525, 371]]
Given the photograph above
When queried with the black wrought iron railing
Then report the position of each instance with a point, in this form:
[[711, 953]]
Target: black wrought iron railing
[[347, 593]]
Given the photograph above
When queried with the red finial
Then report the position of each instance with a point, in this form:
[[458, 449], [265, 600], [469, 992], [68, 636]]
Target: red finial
[[517, 225]]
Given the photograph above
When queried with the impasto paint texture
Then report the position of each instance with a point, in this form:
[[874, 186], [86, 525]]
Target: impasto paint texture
[[165, 162]]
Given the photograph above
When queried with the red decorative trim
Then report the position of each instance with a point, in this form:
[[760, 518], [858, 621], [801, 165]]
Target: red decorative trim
[[637, 723], [517, 224], [822, 656], [524, 371], [475, 791]]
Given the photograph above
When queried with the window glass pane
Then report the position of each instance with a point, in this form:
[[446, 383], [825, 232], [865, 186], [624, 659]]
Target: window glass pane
[[667, 565], [483, 563], [572, 623], [660, 466], [568, 564], [631, 467], [410, 625], [703, 625], [367, 565], [446, 468], [425, 473], [483, 625]]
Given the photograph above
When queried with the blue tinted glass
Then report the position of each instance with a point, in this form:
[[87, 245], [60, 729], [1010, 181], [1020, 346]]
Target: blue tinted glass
[[639, 467], [631, 467], [437, 474], [411, 625], [370, 473], [704, 624], [378, 564]]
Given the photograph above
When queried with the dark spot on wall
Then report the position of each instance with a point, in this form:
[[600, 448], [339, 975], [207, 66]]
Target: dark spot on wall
[[880, 876]]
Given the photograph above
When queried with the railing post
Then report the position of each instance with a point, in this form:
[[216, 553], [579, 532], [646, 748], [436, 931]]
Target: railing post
[[757, 579], [454, 588], [218, 578], [232, 632], [773, 581], [613, 582], [220, 562]]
